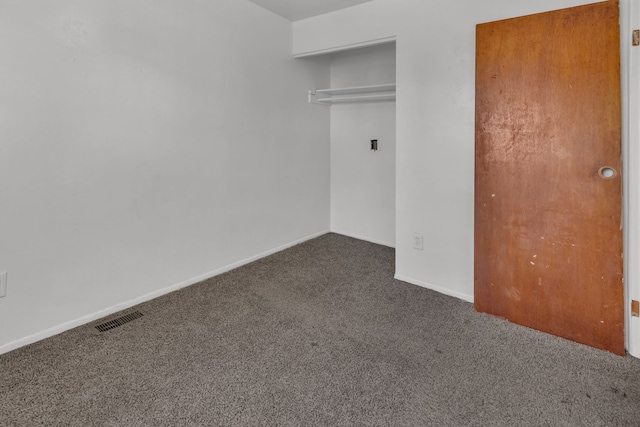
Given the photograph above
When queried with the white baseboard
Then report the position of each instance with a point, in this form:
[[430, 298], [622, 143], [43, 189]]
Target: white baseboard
[[55, 330], [366, 239], [445, 291]]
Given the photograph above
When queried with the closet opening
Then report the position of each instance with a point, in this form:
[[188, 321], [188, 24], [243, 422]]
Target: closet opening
[[363, 109]]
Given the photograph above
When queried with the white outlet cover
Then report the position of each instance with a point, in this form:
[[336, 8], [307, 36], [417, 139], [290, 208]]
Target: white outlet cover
[[417, 241]]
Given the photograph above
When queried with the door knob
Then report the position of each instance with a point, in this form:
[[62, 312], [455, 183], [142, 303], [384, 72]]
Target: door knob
[[607, 172]]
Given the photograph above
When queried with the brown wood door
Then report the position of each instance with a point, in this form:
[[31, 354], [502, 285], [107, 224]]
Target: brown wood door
[[548, 239]]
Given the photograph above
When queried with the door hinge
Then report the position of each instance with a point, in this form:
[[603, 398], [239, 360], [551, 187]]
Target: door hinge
[[635, 308], [635, 39]]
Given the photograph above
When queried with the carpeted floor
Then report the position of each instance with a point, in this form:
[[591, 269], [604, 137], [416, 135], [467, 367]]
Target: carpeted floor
[[319, 334]]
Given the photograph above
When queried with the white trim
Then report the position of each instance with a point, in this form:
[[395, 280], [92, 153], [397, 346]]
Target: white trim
[[366, 239], [445, 291], [144, 298], [368, 43], [630, 69]]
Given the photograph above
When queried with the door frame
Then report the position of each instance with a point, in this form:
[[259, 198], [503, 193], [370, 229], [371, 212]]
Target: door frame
[[630, 73]]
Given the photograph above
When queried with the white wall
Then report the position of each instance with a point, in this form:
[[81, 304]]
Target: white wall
[[146, 144], [363, 181], [435, 68]]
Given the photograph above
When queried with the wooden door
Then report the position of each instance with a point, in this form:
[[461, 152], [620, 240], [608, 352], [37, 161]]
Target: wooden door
[[548, 239]]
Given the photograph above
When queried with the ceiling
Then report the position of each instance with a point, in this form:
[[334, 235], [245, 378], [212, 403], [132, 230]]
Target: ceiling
[[295, 10]]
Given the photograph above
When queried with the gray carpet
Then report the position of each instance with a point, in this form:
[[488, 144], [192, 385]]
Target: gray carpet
[[320, 334]]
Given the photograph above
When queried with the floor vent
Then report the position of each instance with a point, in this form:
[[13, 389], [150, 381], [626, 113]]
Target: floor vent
[[103, 327]]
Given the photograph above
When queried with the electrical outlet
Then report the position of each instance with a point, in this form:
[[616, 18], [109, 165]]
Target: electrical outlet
[[417, 241], [3, 284]]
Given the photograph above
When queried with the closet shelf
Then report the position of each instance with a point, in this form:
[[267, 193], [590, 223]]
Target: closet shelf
[[386, 92]]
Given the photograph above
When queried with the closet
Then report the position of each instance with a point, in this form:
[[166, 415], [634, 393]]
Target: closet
[[363, 142]]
